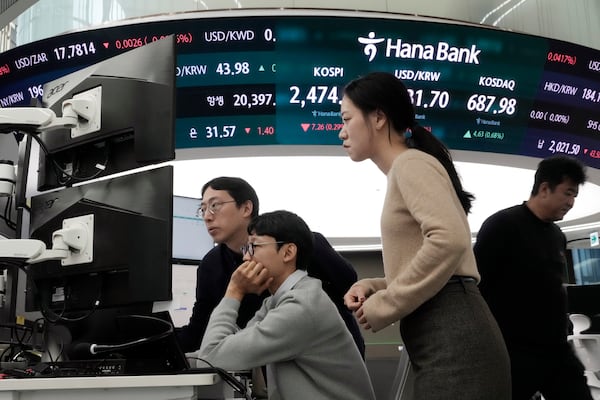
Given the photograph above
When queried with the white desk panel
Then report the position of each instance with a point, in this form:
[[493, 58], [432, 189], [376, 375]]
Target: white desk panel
[[149, 387]]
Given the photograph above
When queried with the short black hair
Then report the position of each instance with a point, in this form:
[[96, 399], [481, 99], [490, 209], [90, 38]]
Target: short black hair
[[239, 189], [556, 169], [287, 227]]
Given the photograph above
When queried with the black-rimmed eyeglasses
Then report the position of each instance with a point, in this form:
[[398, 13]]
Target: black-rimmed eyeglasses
[[249, 248]]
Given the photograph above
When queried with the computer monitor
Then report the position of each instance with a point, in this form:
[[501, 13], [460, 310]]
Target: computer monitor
[[191, 240], [135, 123], [132, 244]]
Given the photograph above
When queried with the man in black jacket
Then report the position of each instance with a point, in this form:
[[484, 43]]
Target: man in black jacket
[[521, 256], [228, 205]]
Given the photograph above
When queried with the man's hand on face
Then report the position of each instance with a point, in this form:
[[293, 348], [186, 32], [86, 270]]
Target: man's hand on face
[[250, 277]]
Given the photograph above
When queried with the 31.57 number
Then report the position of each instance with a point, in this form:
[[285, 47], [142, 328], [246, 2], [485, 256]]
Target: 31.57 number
[[215, 132]]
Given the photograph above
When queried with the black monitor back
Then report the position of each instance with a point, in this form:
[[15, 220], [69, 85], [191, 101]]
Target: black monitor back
[[137, 116], [132, 243]]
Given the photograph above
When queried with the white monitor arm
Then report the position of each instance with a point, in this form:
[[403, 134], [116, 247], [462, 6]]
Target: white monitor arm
[[79, 110], [73, 244]]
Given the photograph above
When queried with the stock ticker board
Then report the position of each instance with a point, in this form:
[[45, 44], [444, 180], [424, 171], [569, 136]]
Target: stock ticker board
[[278, 80]]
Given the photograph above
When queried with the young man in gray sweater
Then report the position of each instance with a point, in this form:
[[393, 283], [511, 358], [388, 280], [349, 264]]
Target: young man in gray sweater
[[297, 333]]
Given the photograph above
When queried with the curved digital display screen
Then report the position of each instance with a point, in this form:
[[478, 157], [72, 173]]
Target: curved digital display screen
[[264, 80]]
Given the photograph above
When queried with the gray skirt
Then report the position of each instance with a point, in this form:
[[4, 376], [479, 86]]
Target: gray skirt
[[456, 348]]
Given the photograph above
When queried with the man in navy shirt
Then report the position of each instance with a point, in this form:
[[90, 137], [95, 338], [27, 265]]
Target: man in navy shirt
[[521, 256], [228, 205]]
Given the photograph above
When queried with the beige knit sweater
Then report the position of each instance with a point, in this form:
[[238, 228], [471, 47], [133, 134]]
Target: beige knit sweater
[[425, 236]]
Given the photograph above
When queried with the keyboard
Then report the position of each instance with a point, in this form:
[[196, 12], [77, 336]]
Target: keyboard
[[75, 368]]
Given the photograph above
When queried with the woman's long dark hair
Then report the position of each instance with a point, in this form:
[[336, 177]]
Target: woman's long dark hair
[[384, 92]]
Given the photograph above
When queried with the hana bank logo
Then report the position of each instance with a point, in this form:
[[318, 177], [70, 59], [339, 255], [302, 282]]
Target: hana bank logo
[[440, 51], [370, 42]]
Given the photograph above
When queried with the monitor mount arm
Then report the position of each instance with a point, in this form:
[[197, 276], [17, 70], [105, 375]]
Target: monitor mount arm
[[81, 108], [73, 244]]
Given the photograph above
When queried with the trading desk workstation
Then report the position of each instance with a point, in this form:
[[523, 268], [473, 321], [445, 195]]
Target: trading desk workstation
[[98, 255], [88, 256]]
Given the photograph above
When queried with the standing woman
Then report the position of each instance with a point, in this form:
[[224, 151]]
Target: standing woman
[[453, 341]]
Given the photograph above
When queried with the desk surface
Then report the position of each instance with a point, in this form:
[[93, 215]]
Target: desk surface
[[104, 382]]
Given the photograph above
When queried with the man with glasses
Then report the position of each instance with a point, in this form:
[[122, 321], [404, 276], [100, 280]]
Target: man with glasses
[[227, 207], [297, 332]]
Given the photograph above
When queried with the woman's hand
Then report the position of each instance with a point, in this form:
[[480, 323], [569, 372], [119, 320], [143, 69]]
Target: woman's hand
[[354, 300], [355, 297], [362, 319]]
